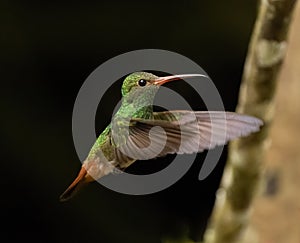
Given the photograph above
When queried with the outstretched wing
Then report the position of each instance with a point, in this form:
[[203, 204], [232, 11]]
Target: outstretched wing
[[184, 132]]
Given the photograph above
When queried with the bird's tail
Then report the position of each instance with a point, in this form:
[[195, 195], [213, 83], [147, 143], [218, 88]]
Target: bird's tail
[[82, 179]]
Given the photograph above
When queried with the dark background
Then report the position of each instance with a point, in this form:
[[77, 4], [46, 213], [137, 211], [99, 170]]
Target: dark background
[[47, 51]]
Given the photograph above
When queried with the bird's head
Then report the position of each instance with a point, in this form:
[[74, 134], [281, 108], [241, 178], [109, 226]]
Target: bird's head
[[137, 81], [139, 88], [142, 81]]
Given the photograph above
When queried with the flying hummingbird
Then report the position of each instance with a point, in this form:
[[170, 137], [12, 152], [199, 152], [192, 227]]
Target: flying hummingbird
[[133, 134]]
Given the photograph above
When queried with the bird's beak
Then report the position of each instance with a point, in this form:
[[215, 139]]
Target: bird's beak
[[162, 80]]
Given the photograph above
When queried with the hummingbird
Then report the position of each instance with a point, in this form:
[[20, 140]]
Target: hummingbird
[[136, 132]]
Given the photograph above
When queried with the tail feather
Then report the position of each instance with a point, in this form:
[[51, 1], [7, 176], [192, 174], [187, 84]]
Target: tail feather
[[81, 180]]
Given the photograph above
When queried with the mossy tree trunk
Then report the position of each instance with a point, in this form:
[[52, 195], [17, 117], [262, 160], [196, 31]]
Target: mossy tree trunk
[[242, 174]]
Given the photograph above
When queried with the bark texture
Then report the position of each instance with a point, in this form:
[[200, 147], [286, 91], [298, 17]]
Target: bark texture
[[243, 172]]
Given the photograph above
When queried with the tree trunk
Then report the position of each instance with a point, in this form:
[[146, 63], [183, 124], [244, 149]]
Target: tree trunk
[[244, 168]]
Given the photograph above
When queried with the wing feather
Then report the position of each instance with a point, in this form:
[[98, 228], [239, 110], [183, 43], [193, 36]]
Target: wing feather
[[184, 132]]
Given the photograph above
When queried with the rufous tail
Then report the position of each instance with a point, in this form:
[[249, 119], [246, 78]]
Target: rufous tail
[[82, 179]]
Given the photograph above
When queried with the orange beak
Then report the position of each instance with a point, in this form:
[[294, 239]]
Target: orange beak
[[162, 80]]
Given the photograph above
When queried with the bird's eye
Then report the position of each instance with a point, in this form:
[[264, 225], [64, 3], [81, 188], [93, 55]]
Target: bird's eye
[[142, 82]]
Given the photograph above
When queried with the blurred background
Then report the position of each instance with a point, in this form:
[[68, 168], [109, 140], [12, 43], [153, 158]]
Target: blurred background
[[47, 51]]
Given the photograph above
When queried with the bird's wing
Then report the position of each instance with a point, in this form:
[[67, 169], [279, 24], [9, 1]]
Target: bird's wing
[[184, 132]]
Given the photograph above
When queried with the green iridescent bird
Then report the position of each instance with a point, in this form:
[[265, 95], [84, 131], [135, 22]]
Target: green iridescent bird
[[138, 133]]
